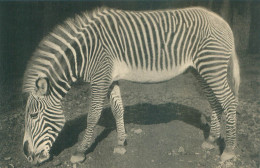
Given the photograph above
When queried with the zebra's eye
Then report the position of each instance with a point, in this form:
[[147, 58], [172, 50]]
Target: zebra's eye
[[34, 115]]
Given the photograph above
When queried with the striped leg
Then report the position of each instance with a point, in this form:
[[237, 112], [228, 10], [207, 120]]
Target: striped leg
[[215, 115], [214, 131], [215, 75], [99, 93], [118, 112]]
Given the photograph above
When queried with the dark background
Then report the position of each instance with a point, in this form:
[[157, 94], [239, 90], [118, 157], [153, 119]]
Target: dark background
[[175, 106], [24, 24]]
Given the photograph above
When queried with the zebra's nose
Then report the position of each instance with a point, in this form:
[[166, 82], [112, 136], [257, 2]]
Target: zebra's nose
[[26, 148], [30, 157]]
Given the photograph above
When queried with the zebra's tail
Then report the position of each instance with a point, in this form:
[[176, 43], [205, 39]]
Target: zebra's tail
[[235, 71]]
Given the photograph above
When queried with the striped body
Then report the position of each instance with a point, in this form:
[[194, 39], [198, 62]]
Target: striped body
[[108, 45], [141, 44]]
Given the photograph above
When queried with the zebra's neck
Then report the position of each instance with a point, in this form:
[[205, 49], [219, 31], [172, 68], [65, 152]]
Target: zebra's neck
[[62, 57]]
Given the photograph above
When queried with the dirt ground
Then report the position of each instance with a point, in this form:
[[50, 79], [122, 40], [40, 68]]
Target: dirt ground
[[165, 124]]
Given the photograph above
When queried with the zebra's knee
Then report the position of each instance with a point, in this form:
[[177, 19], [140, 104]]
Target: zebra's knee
[[230, 113]]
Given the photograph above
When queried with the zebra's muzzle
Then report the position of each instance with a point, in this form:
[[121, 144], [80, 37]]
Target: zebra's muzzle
[[38, 158], [42, 157], [35, 159]]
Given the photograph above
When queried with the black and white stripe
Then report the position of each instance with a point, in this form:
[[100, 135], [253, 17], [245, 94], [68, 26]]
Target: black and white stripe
[[44, 120], [142, 46]]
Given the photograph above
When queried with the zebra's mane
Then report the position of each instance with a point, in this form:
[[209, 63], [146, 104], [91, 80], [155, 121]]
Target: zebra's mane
[[31, 73]]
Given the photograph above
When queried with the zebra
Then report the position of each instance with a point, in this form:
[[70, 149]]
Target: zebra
[[107, 45]]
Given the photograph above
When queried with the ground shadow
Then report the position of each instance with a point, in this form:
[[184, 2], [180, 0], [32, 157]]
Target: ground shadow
[[143, 114]]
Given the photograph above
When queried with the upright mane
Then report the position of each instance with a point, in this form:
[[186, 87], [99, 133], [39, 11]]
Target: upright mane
[[39, 58]]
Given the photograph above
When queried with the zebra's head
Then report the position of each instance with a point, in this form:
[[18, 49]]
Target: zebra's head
[[44, 120]]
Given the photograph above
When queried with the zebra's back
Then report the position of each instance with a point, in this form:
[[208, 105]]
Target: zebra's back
[[152, 46]]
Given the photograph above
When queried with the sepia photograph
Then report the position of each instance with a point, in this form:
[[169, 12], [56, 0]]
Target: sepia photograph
[[130, 84]]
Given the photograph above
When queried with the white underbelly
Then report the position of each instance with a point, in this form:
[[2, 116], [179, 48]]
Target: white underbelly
[[123, 72]]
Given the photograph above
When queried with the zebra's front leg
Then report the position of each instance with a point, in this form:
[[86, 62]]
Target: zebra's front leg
[[118, 112], [97, 101], [214, 131]]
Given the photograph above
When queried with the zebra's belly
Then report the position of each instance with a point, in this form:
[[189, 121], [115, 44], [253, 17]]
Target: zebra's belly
[[121, 71]]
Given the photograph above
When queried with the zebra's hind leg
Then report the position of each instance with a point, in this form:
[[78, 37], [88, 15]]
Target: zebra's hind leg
[[99, 92], [214, 134], [118, 112], [230, 141], [223, 100]]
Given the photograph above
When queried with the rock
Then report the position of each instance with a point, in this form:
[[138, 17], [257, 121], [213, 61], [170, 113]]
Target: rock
[[7, 158], [152, 160], [138, 131], [169, 153], [119, 150], [181, 149], [80, 157], [174, 153], [74, 165]]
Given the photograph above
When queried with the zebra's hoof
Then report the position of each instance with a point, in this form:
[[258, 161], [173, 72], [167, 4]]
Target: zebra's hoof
[[207, 145], [226, 155], [77, 158]]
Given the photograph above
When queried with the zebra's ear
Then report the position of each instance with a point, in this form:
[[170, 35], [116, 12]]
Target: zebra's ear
[[42, 86]]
